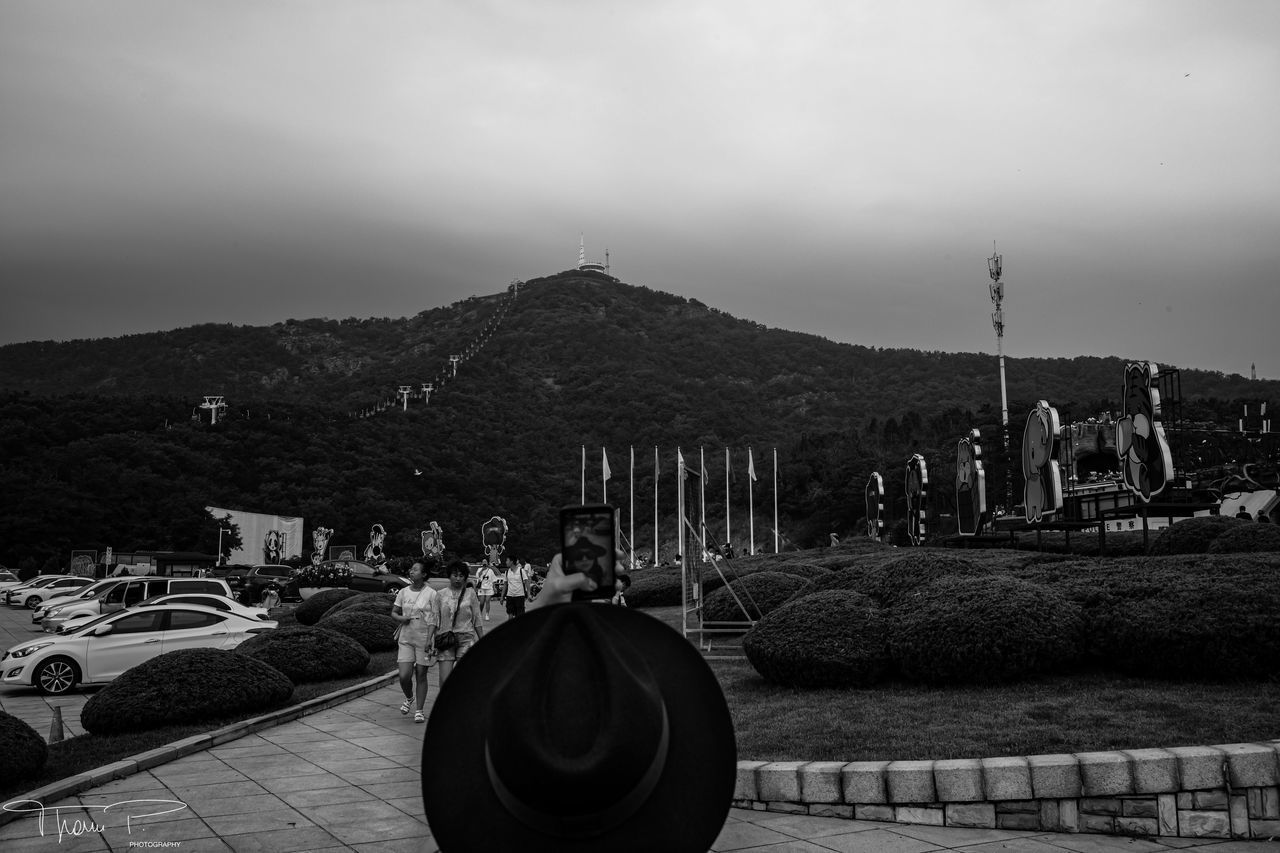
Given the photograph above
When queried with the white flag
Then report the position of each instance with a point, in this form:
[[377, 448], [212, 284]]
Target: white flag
[[604, 463], [751, 465]]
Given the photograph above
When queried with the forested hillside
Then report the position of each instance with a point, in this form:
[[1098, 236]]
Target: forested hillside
[[99, 448]]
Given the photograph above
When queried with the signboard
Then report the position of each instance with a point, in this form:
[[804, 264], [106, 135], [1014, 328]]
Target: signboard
[[264, 538]]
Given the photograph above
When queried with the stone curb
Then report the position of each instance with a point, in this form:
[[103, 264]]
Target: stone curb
[[1222, 791], [73, 785]]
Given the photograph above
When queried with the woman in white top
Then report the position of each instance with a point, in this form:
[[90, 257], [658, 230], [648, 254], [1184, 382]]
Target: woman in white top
[[486, 579], [415, 610], [517, 588], [456, 608]]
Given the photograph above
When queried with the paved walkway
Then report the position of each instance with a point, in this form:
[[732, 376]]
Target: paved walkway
[[348, 779]]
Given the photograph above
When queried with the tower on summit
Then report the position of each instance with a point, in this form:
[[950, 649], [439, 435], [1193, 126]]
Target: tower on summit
[[594, 266]]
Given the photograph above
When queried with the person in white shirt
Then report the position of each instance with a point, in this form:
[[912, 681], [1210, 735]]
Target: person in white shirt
[[518, 582], [486, 578], [415, 610]]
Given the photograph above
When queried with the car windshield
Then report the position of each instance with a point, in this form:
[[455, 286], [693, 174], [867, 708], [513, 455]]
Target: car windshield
[[91, 590]]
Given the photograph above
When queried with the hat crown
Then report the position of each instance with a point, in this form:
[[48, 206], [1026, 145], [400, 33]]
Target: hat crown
[[578, 731]]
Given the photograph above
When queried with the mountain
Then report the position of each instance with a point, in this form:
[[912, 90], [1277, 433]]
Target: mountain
[[99, 446]]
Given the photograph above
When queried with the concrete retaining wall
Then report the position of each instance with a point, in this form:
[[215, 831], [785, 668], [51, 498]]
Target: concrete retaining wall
[[1225, 791]]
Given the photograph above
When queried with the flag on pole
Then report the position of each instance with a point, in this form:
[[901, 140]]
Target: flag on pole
[[605, 474], [751, 465]]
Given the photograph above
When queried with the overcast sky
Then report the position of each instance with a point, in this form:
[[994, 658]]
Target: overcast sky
[[839, 167]]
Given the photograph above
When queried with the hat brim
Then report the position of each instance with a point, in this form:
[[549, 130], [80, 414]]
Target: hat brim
[[690, 802]]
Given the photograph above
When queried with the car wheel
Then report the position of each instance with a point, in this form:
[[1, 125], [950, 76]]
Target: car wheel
[[56, 676], [33, 601]]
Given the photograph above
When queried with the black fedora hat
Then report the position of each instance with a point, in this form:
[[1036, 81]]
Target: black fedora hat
[[606, 731]]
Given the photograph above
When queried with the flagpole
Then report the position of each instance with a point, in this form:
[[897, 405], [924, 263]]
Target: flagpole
[[702, 500], [775, 500], [751, 499], [684, 575], [728, 531], [604, 476], [631, 506], [655, 506], [584, 475]]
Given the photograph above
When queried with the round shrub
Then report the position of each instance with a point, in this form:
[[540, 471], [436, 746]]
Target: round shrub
[[377, 602], [1247, 538], [308, 653], [983, 629], [22, 751], [371, 630], [1209, 621], [1193, 535], [768, 590], [310, 611], [185, 686], [831, 639], [892, 581], [654, 588]]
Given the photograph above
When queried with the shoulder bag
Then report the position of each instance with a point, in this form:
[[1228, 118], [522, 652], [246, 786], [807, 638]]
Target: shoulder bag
[[446, 640]]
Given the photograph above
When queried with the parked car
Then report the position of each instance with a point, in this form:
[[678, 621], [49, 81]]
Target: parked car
[[35, 597], [217, 602], [127, 592], [248, 583], [84, 593], [7, 577], [365, 578], [103, 648], [16, 595]]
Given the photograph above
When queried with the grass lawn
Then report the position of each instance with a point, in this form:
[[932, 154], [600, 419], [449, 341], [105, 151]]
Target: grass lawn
[[903, 721], [86, 752]]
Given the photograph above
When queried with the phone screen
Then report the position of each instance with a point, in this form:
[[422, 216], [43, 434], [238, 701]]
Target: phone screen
[[587, 547]]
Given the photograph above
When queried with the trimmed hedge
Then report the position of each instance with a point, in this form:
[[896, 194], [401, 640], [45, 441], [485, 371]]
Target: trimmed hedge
[[308, 653], [1193, 535], [371, 630], [185, 686], [1247, 538], [982, 630], [768, 590], [376, 602], [830, 639], [890, 582], [313, 609], [23, 752], [1205, 618], [654, 588]]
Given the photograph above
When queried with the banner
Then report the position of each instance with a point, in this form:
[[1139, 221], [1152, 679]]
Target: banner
[[264, 539]]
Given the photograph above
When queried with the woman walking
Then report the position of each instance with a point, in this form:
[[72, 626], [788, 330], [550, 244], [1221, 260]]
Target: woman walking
[[486, 579], [456, 610], [518, 583], [415, 610]]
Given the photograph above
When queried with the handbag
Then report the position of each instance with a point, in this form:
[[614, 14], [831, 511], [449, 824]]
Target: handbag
[[446, 640]]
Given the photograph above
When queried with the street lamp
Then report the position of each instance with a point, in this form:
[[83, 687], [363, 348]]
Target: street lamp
[[222, 530]]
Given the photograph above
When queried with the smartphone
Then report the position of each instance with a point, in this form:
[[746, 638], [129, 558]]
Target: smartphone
[[587, 547]]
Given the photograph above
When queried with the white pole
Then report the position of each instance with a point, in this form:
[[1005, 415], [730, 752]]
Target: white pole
[[775, 500], [702, 500], [584, 476], [728, 531], [751, 499], [655, 505], [631, 506], [604, 477], [684, 574]]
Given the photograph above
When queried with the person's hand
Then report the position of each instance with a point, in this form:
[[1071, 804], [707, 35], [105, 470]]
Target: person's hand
[[558, 588]]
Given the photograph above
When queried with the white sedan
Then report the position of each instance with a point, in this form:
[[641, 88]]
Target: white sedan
[[217, 602], [98, 651]]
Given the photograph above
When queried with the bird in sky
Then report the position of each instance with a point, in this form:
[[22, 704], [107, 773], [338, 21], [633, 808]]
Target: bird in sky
[[417, 472]]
